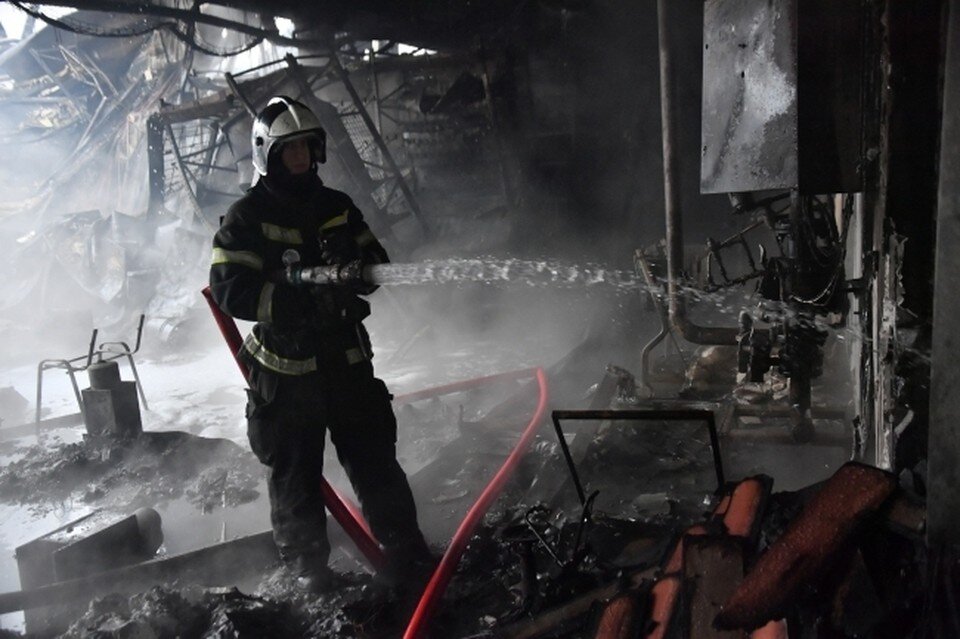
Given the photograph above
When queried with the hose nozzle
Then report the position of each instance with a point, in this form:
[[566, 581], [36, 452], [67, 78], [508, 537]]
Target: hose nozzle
[[336, 274]]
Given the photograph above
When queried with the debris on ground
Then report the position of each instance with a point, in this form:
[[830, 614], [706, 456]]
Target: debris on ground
[[156, 466], [651, 543], [355, 607], [671, 556], [13, 405]]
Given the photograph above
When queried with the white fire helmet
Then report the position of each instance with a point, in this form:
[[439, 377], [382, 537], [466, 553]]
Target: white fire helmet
[[282, 120]]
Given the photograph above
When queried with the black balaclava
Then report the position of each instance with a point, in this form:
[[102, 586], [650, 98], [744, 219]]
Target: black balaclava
[[284, 184]]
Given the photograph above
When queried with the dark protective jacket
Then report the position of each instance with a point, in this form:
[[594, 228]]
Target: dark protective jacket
[[299, 330]]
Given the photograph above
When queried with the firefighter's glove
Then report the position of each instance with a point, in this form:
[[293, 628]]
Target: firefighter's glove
[[325, 303], [351, 273], [338, 249], [355, 309], [333, 304]]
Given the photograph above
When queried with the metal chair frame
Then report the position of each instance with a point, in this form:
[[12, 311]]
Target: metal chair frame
[[105, 353]]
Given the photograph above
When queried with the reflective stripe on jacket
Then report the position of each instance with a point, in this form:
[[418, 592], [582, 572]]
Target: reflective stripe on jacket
[[298, 330]]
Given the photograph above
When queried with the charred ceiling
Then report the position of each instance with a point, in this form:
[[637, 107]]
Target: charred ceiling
[[445, 25]]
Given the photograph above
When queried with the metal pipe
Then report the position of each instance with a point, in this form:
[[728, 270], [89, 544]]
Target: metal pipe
[[644, 267], [93, 344], [671, 198], [57, 363], [144, 9], [235, 89], [581, 494]]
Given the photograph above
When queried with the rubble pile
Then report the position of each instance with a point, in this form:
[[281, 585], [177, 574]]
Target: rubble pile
[[356, 607], [156, 466], [534, 560], [162, 612], [654, 545]]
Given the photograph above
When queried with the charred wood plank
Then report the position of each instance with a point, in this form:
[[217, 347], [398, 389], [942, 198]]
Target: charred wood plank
[[620, 618], [739, 511], [743, 511], [809, 546], [712, 570], [566, 613], [904, 514], [773, 630]]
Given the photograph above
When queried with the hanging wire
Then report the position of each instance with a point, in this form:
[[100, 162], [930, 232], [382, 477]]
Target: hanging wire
[[824, 295], [143, 27]]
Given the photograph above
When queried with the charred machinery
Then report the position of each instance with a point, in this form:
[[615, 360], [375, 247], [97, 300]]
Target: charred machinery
[[788, 114]]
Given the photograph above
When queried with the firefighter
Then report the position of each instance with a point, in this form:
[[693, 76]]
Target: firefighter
[[308, 353]]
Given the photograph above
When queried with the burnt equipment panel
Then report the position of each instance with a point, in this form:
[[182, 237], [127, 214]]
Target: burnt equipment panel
[[784, 95]]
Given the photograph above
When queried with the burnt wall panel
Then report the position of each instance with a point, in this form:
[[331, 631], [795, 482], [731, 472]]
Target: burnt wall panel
[[831, 81], [943, 498], [784, 95], [916, 63], [749, 129]]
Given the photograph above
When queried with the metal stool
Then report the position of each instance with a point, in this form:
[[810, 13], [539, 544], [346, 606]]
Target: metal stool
[[106, 352]]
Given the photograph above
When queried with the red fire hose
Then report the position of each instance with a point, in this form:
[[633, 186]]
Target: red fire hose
[[448, 564], [456, 387], [346, 513]]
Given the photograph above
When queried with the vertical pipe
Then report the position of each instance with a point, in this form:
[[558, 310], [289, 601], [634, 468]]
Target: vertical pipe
[[671, 199], [39, 397], [155, 164], [376, 86], [235, 89]]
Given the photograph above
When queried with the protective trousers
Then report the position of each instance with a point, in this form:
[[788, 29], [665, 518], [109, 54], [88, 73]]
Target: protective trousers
[[287, 419]]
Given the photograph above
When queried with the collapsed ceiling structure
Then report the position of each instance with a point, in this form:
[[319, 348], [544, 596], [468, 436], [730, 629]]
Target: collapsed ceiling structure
[[526, 144]]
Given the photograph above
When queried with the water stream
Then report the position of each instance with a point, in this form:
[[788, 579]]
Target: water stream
[[493, 271]]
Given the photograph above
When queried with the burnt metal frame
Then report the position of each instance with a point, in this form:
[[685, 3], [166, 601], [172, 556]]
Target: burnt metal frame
[[39, 56], [713, 256], [72, 368], [399, 181], [334, 71], [637, 415], [189, 178]]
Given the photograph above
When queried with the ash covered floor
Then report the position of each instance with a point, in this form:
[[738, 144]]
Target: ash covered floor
[[193, 466]]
